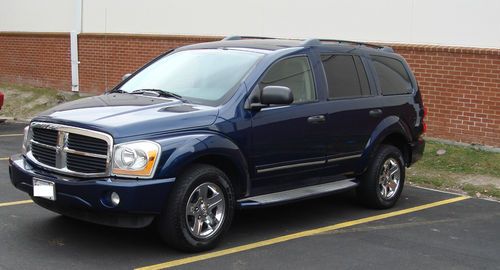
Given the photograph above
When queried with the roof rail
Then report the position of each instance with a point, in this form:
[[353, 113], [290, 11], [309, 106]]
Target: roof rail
[[245, 37], [232, 38], [317, 42]]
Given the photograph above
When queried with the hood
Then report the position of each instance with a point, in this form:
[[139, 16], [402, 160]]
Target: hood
[[126, 115]]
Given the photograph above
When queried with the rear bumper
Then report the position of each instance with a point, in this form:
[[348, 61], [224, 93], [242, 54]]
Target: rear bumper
[[417, 150], [140, 200]]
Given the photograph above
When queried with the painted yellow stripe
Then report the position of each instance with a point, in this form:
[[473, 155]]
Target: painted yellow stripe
[[15, 203], [4, 158], [10, 135], [293, 236]]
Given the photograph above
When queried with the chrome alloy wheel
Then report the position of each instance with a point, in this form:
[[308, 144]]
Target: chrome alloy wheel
[[205, 210], [389, 179]]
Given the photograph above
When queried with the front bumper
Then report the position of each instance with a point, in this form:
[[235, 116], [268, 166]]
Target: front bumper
[[86, 199]]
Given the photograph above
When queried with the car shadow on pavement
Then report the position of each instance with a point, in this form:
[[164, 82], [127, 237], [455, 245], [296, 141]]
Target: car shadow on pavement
[[250, 225]]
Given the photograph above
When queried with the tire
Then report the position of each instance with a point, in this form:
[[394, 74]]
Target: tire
[[379, 186], [199, 209]]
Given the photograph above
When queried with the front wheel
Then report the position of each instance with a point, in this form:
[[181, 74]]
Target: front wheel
[[199, 210], [382, 183]]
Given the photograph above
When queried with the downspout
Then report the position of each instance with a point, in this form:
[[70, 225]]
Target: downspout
[[77, 29]]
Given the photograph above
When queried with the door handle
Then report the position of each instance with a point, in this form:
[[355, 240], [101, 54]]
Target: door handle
[[316, 119], [376, 113]]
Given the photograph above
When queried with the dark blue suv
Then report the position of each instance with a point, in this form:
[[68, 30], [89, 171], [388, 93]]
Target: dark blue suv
[[207, 128]]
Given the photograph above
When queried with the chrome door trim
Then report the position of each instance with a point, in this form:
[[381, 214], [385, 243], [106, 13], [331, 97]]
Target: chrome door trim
[[343, 158], [296, 165]]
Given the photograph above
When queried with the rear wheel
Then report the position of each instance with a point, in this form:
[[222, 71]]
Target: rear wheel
[[199, 210], [382, 183]]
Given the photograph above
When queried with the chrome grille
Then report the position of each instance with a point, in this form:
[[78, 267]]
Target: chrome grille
[[85, 164], [44, 154], [45, 136], [87, 144], [70, 150]]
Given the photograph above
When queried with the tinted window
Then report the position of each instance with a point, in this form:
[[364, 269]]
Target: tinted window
[[392, 76], [294, 73], [345, 75]]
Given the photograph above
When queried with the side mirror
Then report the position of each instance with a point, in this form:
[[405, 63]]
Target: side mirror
[[126, 76], [276, 95]]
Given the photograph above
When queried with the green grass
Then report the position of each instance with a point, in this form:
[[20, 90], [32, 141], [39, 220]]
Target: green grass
[[488, 190], [459, 159], [460, 168], [24, 102]]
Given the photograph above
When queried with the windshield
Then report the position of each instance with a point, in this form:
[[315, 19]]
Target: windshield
[[204, 76]]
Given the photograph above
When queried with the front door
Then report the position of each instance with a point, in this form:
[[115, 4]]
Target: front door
[[288, 141]]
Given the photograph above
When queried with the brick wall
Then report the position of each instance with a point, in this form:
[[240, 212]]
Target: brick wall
[[40, 60], [461, 89], [461, 86]]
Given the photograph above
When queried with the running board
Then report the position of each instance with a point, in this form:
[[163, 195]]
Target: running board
[[297, 194]]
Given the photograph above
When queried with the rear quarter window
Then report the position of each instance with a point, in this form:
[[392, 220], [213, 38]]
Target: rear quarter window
[[392, 76]]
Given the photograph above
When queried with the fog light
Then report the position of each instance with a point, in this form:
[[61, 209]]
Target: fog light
[[115, 199]]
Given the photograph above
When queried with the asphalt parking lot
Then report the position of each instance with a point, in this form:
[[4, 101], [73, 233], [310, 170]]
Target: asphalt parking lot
[[426, 230]]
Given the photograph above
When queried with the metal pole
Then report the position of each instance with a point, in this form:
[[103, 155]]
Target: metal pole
[[75, 85]]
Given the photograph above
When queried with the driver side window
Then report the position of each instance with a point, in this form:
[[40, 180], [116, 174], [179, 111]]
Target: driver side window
[[294, 73]]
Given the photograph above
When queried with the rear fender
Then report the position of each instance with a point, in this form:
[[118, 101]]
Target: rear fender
[[389, 126]]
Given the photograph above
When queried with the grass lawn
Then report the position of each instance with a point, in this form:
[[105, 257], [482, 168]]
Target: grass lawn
[[23, 102], [465, 169]]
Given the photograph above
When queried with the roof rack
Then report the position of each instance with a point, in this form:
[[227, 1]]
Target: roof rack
[[317, 42], [244, 37]]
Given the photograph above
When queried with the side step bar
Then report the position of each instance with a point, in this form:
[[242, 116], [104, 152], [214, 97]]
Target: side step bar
[[297, 194]]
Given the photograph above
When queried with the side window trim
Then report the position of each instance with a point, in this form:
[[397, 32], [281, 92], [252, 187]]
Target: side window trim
[[372, 77]]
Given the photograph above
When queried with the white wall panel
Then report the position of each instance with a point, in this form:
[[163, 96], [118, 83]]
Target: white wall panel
[[36, 15], [445, 22]]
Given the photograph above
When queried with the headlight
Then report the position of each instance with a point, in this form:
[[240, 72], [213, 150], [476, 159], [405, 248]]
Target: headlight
[[26, 139], [136, 159]]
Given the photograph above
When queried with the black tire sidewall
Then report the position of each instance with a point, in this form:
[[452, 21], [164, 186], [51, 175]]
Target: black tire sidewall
[[173, 224], [369, 189]]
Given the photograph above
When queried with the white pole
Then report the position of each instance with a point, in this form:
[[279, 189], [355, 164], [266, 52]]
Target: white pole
[[75, 86]]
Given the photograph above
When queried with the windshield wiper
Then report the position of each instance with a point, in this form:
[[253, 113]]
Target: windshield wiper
[[158, 93], [115, 91]]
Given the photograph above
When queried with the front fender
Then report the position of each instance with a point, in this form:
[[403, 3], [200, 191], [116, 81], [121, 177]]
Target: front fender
[[181, 151], [389, 126]]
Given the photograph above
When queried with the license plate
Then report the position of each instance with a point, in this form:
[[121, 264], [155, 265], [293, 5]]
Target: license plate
[[44, 189]]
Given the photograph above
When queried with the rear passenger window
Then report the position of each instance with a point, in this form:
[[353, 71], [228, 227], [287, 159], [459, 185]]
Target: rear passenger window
[[294, 73], [392, 76], [345, 75]]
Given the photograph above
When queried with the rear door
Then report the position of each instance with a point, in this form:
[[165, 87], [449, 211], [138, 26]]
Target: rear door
[[353, 112]]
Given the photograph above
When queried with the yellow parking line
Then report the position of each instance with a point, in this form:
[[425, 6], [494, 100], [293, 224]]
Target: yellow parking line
[[293, 236], [11, 135], [4, 158], [15, 203]]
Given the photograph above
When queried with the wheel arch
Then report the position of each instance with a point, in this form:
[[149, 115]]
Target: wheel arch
[[211, 149], [392, 130]]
